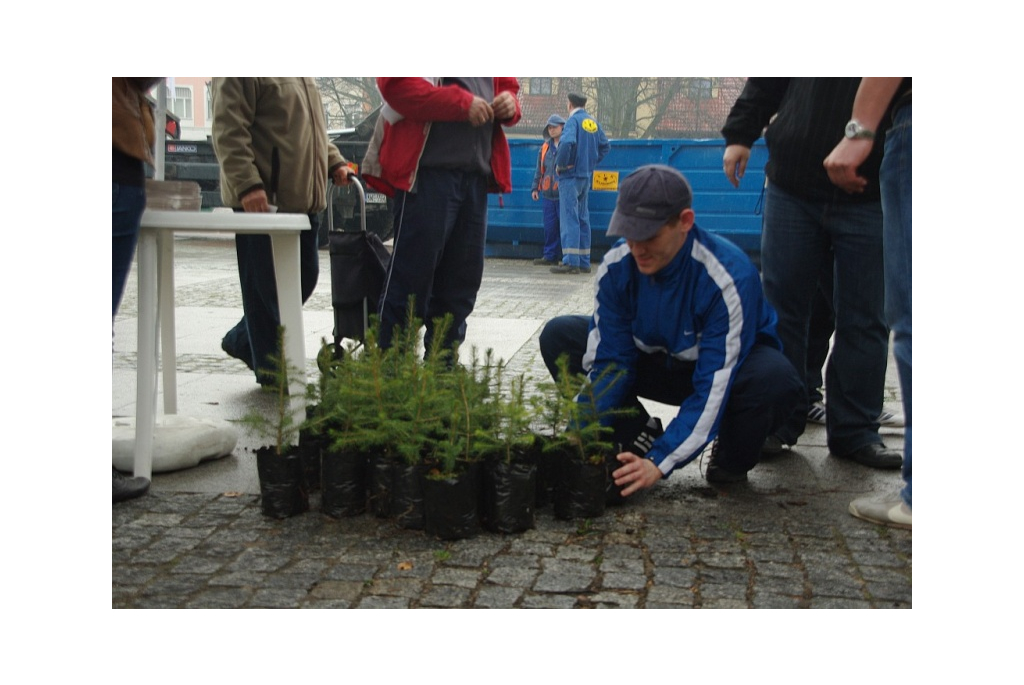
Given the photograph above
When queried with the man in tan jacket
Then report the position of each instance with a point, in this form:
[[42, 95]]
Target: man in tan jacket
[[270, 138]]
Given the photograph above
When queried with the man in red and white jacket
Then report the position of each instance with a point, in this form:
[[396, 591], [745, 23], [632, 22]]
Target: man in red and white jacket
[[438, 149]]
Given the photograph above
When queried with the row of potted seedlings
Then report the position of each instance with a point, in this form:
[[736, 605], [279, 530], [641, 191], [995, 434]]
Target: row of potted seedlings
[[434, 444]]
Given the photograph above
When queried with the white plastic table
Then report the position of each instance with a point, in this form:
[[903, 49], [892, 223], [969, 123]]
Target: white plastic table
[[156, 307]]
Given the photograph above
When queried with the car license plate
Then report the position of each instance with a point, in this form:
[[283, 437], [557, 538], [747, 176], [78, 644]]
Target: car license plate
[[376, 199]]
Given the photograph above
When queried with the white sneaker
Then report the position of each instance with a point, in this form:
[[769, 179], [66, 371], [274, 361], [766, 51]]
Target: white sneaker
[[886, 510], [890, 420], [816, 414]]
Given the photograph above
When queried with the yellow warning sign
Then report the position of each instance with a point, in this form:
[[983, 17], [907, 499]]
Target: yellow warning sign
[[605, 180]]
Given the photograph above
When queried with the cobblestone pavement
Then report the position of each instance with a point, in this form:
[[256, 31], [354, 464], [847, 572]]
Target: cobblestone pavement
[[783, 540]]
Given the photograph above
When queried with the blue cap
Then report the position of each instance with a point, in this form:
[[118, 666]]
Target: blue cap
[[648, 199], [555, 120]]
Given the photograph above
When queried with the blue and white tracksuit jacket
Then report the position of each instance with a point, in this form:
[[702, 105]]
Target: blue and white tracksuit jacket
[[706, 306]]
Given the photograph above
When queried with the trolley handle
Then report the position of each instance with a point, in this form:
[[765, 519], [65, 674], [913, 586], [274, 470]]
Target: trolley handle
[[353, 181]]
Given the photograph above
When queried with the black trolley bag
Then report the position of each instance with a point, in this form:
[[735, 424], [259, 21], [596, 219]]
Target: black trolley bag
[[359, 263]]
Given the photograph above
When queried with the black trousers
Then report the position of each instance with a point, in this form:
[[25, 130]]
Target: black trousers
[[762, 395]]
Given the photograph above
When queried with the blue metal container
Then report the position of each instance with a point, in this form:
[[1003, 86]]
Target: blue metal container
[[515, 223]]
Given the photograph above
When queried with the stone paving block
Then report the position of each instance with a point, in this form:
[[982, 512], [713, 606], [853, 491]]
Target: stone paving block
[[548, 601], [286, 579], [356, 572], [783, 586], [709, 591], [346, 590], [238, 579], [220, 598], [724, 603], [398, 587], [258, 560], [611, 565], [445, 596], [669, 595], [675, 577], [197, 564], [461, 577], [575, 553], [613, 600], [838, 603], [770, 600], [277, 598], [510, 575], [515, 560], [379, 602], [889, 591], [561, 581], [624, 581], [497, 597]]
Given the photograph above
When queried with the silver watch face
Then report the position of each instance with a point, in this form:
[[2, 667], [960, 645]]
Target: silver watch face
[[855, 130]]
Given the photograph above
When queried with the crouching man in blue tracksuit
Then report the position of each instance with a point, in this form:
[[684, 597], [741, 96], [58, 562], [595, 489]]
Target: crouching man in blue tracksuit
[[682, 313]]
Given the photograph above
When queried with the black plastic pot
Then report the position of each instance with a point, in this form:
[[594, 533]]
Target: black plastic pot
[[547, 470], [450, 504], [309, 448], [343, 477], [581, 489], [407, 495], [283, 490], [380, 482], [509, 495]]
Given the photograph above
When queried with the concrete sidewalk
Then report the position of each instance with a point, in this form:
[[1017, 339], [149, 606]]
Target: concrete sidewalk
[[784, 539]]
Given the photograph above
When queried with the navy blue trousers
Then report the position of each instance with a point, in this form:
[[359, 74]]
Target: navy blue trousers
[[254, 338], [438, 255], [762, 395]]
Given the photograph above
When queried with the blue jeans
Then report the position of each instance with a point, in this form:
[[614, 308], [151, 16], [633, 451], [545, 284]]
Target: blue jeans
[[254, 338], [573, 196], [897, 181], [552, 234], [438, 255], [129, 203], [799, 237]]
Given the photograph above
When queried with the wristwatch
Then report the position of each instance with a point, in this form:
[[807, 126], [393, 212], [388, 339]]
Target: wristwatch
[[855, 131]]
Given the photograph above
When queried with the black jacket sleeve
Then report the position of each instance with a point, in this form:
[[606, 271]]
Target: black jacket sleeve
[[757, 104]]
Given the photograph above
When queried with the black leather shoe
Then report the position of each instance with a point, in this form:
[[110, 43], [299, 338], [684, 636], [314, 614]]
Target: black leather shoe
[[877, 456], [128, 488], [565, 269], [717, 474]]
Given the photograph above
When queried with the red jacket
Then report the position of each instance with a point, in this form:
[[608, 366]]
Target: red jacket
[[393, 157]]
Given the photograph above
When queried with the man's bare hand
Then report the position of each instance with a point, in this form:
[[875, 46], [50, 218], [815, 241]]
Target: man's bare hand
[[844, 160], [636, 472], [256, 201], [341, 175], [480, 112], [734, 163], [504, 106]]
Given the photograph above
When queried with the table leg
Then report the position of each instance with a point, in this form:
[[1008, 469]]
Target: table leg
[[289, 303], [165, 294], [145, 397]]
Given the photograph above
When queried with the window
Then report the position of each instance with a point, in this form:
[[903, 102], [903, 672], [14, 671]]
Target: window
[[699, 89], [181, 103], [540, 86]]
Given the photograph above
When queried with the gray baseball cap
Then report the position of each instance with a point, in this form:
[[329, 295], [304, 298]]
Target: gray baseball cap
[[648, 199]]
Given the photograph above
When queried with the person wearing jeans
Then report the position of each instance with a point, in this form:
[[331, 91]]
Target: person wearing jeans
[[808, 221], [896, 174], [134, 134]]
